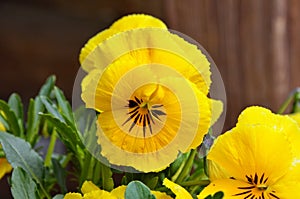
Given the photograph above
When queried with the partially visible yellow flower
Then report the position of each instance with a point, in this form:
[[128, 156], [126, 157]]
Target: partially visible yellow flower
[[2, 128], [88, 186], [179, 191], [119, 193], [5, 167], [259, 158], [73, 196], [91, 191]]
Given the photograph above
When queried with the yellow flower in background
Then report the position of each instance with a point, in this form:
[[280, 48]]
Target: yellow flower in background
[[179, 191], [91, 191], [73, 196], [150, 87], [5, 167], [259, 158]]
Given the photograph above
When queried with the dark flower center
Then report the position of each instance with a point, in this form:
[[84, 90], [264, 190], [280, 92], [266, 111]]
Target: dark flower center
[[257, 188], [142, 115]]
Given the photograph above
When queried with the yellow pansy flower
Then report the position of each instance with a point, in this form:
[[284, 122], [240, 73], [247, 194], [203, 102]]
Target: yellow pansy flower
[[151, 88], [5, 167], [73, 196], [179, 191], [259, 158], [91, 191]]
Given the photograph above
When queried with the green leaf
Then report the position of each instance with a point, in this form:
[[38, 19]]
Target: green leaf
[[51, 108], [151, 183], [16, 105], [137, 190], [107, 180], [11, 118], [58, 196], [20, 154], [218, 195], [23, 187], [177, 163], [35, 107], [60, 174], [48, 86], [33, 121], [67, 135], [64, 105]]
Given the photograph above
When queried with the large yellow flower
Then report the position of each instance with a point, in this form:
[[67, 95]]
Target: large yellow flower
[[259, 158], [151, 88], [5, 167]]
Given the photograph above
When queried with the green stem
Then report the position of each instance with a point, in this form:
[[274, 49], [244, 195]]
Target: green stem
[[91, 169], [288, 100], [296, 105], [85, 168], [187, 167], [194, 183], [175, 176], [97, 172], [50, 148], [45, 192], [285, 104], [66, 160]]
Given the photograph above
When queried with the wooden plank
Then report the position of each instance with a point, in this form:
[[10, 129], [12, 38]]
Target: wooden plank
[[280, 52], [294, 42]]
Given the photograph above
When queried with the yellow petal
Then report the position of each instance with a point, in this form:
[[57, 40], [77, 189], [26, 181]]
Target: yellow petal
[[125, 23], [157, 145], [73, 196], [296, 117], [5, 167], [88, 186], [137, 21], [92, 44], [251, 150], [179, 191], [156, 46], [119, 192], [2, 128], [283, 124], [98, 194], [161, 195], [229, 187], [216, 110]]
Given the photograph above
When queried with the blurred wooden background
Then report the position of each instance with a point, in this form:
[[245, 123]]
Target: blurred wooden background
[[255, 44]]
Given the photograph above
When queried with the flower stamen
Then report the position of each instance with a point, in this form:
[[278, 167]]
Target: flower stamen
[[142, 115], [257, 188]]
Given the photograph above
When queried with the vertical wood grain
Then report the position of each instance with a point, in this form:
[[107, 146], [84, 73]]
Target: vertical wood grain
[[294, 41], [255, 44], [280, 52]]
